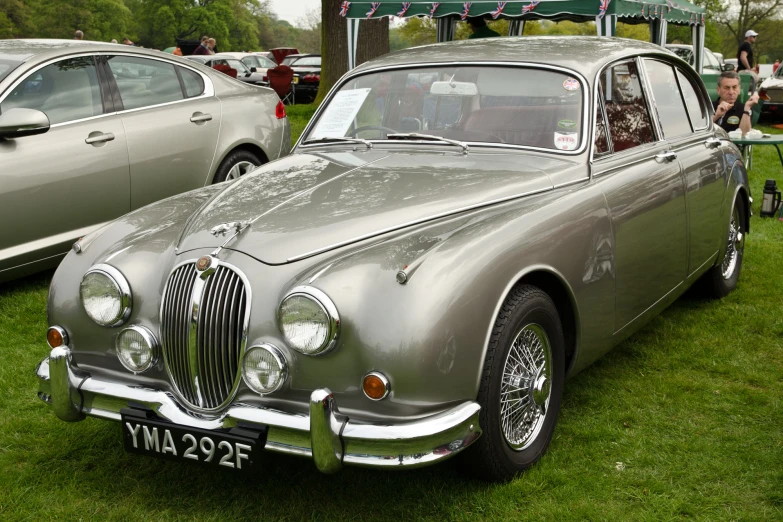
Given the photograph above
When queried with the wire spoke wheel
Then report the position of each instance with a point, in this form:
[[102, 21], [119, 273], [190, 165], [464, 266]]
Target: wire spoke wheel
[[526, 387], [736, 243]]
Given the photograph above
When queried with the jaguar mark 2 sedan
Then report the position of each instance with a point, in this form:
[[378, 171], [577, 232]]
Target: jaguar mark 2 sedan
[[459, 228]]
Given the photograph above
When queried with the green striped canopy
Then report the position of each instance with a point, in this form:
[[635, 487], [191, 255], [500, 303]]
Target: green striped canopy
[[678, 12]]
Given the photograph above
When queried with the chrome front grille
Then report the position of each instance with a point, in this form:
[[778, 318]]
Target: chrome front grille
[[203, 322]]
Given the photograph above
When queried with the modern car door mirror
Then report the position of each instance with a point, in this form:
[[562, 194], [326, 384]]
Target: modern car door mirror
[[252, 69], [16, 123], [727, 67]]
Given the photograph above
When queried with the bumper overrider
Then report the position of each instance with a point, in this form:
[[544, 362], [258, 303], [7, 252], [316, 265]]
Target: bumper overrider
[[328, 437]]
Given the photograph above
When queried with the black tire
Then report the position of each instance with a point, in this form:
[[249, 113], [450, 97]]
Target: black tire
[[722, 278], [527, 311], [236, 158]]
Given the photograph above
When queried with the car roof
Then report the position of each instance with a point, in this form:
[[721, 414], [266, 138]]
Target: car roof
[[41, 49], [584, 54], [304, 55]]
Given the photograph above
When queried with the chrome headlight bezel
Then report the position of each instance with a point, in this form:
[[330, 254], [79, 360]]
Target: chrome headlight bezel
[[149, 339], [123, 288], [280, 359], [329, 309]]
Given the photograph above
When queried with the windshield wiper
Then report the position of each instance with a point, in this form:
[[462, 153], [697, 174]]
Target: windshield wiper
[[406, 135], [350, 140]]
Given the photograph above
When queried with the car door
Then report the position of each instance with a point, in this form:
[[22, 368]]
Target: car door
[[57, 186], [644, 191], [172, 122], [685, 124]]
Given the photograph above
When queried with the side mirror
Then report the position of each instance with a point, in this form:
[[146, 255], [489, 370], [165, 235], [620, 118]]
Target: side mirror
[[727, 67], [252, 69], [17, 123]]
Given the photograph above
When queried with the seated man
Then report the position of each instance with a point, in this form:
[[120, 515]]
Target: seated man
[[730, 113]]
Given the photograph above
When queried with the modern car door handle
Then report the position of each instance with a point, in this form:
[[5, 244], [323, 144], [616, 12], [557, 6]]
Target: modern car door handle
[[712, 143], [100, 138], [666, 156], [198, 117]]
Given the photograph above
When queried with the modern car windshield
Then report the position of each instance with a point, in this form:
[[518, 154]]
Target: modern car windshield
[[506, 105], [307, 61], [6, 66]]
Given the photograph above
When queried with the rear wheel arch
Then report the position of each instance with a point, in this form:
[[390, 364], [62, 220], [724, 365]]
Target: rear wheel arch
[[249, 147]]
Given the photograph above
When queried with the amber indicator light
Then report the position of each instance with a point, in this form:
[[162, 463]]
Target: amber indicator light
[[374, 387], [54, 338]]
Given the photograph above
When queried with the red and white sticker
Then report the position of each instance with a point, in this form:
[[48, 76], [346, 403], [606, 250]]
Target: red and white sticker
[[571, 84], [566, 140]]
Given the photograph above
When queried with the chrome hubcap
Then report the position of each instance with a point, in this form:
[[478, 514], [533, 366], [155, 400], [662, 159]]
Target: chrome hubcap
[[736, 243], [240, 169], [526, 387]]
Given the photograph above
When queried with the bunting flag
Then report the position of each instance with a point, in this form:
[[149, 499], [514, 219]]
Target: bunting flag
[[405, 7], [602, 7], [497, 12], [344, 9], [465, 10], [529, 7], [434, 8], [373, 7]]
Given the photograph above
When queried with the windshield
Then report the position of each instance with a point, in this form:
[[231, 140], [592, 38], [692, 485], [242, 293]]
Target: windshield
[[307, 61], [239, 66], [513, 105], [6, 66]]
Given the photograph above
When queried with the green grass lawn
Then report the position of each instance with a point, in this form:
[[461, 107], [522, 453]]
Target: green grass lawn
[[684, 420]]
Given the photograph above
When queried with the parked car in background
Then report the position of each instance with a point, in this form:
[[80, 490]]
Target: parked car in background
[[711, 69], [451, 237], [252, 61], [109, 129], [771, 95], [244, 73], [307, 75]]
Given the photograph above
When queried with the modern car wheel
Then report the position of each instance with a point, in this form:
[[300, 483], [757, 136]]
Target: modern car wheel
[[521, 386], [722, 278], [236, 164]]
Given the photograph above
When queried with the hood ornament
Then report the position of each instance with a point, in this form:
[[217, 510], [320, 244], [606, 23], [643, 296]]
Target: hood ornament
[[232, 226]]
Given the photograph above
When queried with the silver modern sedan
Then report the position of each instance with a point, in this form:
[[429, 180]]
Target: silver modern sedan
[[90, 131]]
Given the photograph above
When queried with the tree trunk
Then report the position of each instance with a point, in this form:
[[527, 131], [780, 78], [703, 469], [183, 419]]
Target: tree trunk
[[334, 46], [373, 39]]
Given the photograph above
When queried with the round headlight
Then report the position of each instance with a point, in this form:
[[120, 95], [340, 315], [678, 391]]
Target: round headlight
[[136, 348], [105, 295], [264, 368], [309, 321]]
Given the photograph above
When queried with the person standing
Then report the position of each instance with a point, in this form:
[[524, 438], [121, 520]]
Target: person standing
[[745, 64], [127, 41], [202, 47], [479, 28], [730, 113], [212, 46], [78, 35]]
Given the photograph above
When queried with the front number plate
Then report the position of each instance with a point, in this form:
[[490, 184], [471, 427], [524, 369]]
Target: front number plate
[[224, 450]]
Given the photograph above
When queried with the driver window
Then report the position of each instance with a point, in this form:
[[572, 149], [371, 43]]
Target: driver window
[[626, 109], [65, 91]]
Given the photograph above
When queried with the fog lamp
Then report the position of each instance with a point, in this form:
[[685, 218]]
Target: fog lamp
[[136, 349], [376, 386], [264, 369]]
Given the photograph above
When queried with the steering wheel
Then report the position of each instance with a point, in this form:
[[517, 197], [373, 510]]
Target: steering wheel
[[384, 130]]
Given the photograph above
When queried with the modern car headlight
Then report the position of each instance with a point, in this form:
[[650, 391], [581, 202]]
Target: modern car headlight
[[264, 368], [137, 348], [106, 295], [309, 321]]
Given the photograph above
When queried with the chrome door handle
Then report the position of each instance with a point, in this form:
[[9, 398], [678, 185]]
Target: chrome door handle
[[199, 117], [100, 138], [712, 143], [666, 156]]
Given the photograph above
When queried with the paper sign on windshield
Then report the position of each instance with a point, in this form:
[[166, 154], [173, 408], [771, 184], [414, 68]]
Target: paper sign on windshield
[[340, 113], [566, 140]]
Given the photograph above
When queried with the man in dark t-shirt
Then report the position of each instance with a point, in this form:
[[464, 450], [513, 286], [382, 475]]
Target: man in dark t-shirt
[[730, 113], [745, 52]]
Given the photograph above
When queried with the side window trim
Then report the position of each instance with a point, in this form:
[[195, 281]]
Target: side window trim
[[105, 87], [600, 105], [706, 105], [181, 83], [649, 97]]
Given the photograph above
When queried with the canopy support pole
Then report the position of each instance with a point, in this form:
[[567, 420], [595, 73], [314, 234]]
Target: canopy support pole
[[606, 26], [353, 36], [658, 31], [446, 28], [698, 47], [516, 27]]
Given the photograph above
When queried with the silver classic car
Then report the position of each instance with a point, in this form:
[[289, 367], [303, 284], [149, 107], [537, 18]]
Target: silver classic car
[[108, 129], [460, 227]]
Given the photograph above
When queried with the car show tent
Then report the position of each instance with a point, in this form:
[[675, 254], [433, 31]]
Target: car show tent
[[605, 13]]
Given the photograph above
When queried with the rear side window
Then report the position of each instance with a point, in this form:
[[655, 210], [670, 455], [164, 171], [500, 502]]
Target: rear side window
[[143, 82], [194, 84], [697, 111], [65, 91], [626, 109], [668, 101]]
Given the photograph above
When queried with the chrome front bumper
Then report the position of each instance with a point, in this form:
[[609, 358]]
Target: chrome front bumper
[[328, 437]]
